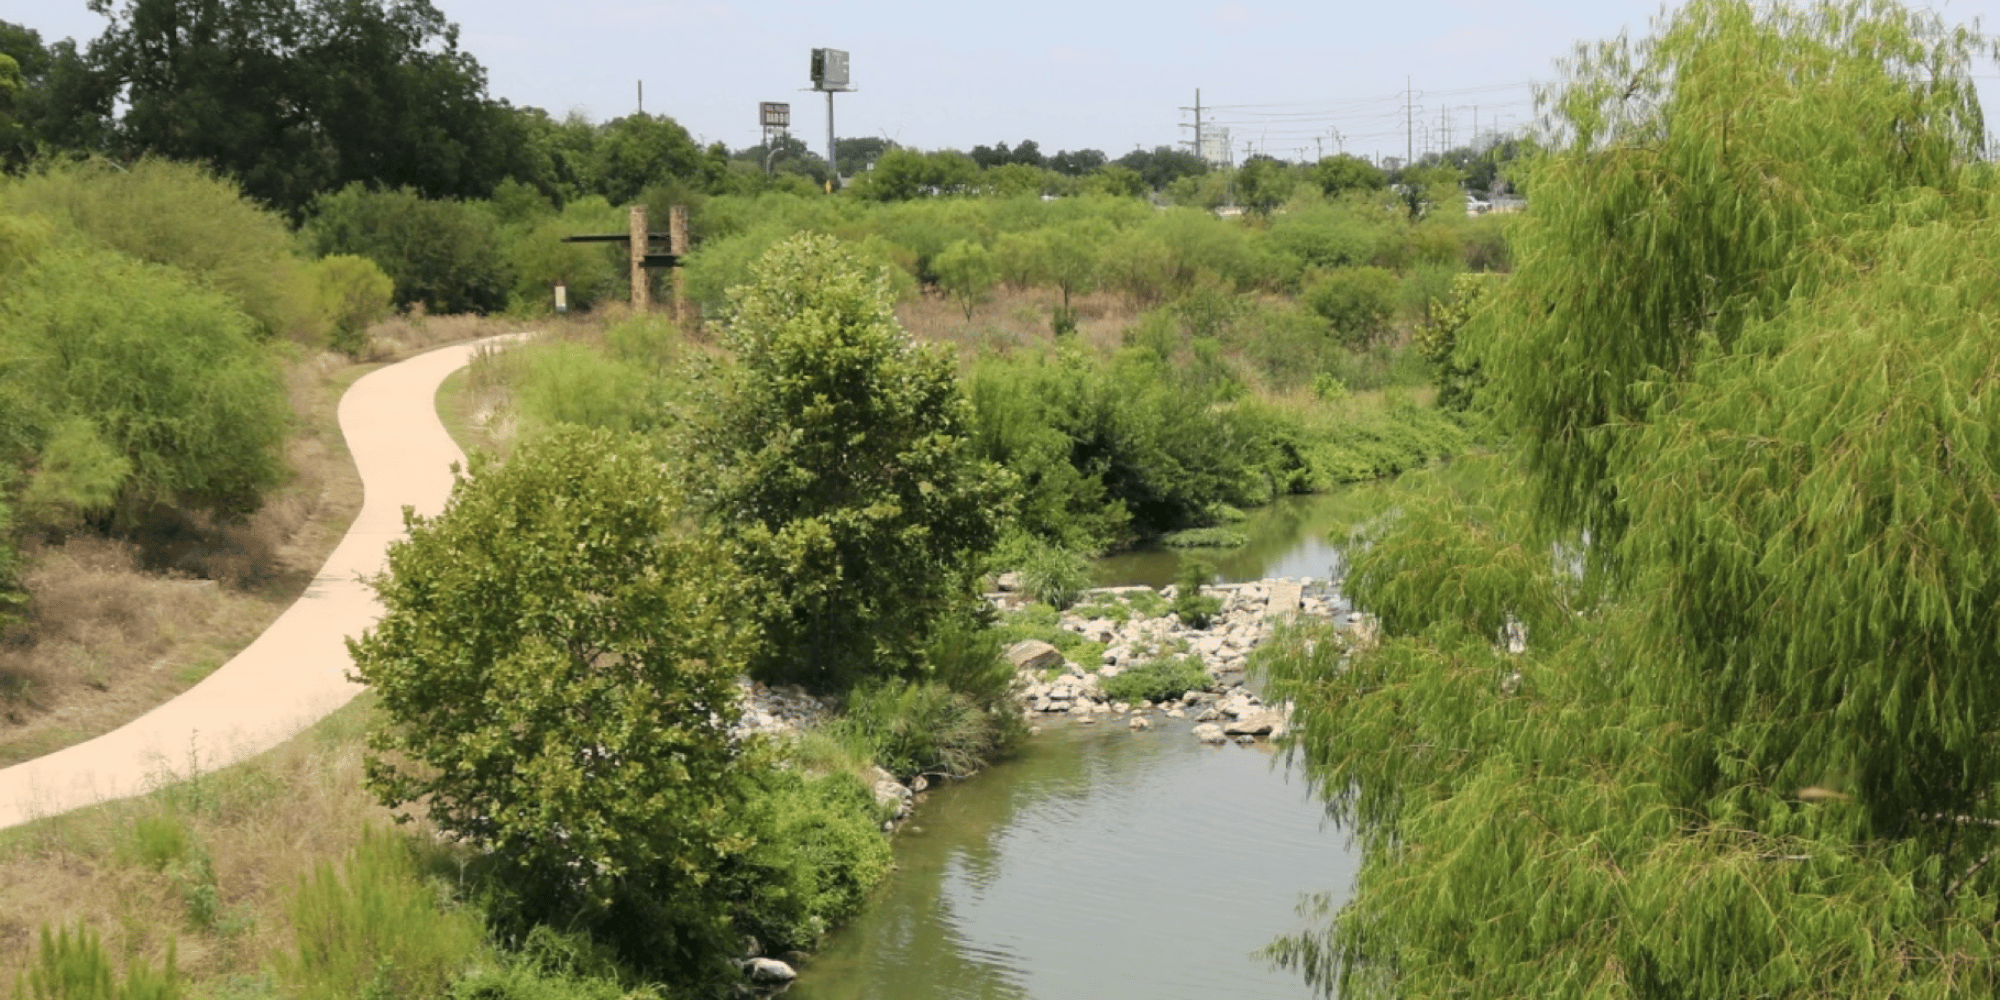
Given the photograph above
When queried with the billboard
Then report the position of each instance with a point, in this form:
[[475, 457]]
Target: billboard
[[829, 69], [772, 114]]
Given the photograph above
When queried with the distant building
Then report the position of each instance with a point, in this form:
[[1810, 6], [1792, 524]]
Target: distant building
[[1214, 149]]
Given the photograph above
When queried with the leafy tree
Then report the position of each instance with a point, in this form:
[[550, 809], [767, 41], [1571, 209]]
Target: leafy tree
[[1077, 162], [557, 661], [1345, 172], [60, 104], [1747, 747], [966, 273], [1263, 183], [835, 454], [1116, 181], [1456, 373], [296, 97], [639, 150], [1162, 165], [904, 174], [856, 155], [1072, 257], [443, 254]]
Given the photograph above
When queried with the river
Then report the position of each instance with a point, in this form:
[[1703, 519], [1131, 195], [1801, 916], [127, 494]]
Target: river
[[1100, 863], [1103, 863]]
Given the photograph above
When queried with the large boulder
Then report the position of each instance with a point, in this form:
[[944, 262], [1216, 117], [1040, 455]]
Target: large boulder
[[1209, 732], [1259, 724], [1034, 654], [769, 971]]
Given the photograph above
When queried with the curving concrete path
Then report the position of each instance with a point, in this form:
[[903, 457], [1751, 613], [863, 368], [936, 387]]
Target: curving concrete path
[[296, 672]]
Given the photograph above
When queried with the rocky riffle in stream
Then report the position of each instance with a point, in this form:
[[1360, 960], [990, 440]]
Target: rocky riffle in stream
[[1225, 709]]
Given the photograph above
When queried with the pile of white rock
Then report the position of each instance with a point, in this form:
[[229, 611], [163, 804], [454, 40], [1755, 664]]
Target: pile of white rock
[[1223, 710], [777, 711]]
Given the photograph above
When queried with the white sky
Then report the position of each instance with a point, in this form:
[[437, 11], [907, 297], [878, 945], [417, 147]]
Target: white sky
[[1285, 75]]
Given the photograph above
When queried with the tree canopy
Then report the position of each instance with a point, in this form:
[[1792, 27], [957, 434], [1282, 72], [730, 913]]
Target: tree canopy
[[1742, 540], [558, 658], [836, 456]]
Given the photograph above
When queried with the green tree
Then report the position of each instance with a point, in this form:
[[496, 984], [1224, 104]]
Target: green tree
[[1747, 746], [446, 255], [1263, 183], [1337, 175], [1162, 165], [1116, 181], [966, 272], [639, 150], [556, 661], [297, 97], [835, 455]]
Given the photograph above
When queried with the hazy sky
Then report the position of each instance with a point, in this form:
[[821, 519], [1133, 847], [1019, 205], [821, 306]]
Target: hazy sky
[[1285, 76]]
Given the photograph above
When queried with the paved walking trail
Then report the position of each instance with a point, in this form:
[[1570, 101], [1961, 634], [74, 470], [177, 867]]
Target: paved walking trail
[[296, 672]]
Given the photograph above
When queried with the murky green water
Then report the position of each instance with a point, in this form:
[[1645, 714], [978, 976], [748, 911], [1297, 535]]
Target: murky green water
[[1289, 538], [1102, 863], [1106, 864]]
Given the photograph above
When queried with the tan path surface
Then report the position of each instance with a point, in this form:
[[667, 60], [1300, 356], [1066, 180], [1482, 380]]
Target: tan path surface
[[296, 672]]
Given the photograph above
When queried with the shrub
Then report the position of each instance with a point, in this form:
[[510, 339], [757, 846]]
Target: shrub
[[1159, 680], [129, 361], [916, 728], [353, 293], [818, 851], [181, 215], [1357, 301], [1194, 609], [1054, 575]]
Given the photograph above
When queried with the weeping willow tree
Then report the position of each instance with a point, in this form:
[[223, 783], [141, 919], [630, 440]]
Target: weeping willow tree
[[1750, 358]]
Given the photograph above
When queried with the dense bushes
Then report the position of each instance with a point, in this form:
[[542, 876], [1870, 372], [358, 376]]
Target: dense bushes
[[445, 255], [131, 386]]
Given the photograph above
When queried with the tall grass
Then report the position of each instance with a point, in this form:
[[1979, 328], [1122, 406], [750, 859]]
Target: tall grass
[[376, 927], [76, 967]]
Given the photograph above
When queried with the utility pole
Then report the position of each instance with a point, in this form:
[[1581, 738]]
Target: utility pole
[[642, 97], [1197, 124]]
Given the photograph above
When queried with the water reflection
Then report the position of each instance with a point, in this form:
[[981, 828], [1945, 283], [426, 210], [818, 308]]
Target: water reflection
[[1103, 863]]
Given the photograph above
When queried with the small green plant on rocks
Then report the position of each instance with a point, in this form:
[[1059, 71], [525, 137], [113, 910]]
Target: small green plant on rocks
[[1159, 680], [1193, 608]]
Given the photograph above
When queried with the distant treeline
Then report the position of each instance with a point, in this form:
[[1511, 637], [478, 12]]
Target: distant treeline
[[297, 99]]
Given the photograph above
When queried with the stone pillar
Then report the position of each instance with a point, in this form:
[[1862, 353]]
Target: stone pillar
[[641, 297], [677, 244]]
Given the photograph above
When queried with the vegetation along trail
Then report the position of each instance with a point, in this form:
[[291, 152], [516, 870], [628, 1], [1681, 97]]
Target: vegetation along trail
[[296, 672]]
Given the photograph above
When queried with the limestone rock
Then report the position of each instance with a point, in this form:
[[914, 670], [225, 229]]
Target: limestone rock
[[1259, 724], [769, 970], [1209, 732], [1034, 654], [1140, 724]]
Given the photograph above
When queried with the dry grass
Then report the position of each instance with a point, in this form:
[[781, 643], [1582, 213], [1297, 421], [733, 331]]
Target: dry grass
[[116, 627], [1013, 319], [246, 835]]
